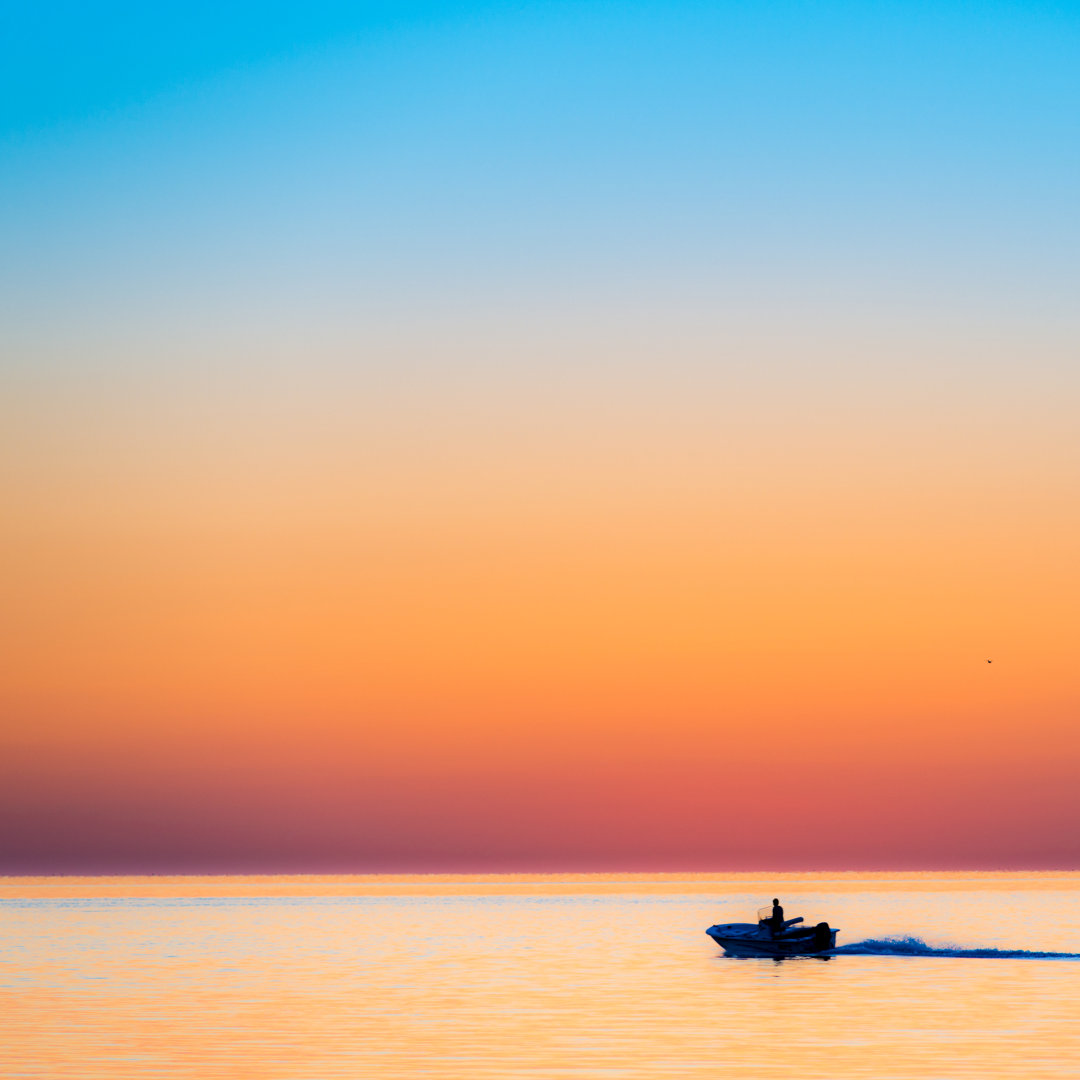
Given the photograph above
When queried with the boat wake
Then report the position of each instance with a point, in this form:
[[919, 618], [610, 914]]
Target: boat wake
[[913, 946]]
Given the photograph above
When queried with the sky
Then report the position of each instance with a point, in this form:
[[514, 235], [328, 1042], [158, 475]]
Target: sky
[[541, 436]]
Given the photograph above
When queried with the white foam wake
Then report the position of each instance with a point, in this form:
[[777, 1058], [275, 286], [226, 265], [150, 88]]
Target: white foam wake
[[913, 946]]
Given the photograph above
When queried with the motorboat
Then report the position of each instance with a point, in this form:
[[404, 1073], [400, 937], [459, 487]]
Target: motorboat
[[765, 938]]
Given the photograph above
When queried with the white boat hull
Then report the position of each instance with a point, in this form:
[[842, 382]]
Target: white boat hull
[[755, 939]]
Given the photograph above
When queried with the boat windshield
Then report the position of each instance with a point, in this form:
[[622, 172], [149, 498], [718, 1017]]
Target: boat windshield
[[765, 916]]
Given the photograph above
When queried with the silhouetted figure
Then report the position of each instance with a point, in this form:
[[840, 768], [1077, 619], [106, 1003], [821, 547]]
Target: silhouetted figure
[[777, 919]]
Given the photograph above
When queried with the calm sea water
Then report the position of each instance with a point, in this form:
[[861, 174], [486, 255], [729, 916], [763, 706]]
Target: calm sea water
[[549, 976]]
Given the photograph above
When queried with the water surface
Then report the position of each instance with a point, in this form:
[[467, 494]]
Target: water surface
[[535, 976]]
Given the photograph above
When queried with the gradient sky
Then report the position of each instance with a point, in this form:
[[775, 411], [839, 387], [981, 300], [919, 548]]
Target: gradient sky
[[552, 435]]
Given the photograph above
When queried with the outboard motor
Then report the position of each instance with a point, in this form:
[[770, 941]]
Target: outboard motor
[[822, 936]]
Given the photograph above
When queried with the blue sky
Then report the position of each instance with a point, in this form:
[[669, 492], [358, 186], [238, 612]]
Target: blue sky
[[271, 163]]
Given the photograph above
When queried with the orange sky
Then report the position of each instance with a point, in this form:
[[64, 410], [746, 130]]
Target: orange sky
[[272, 633]]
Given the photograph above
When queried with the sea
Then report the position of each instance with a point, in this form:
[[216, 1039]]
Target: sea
[[938, 975]]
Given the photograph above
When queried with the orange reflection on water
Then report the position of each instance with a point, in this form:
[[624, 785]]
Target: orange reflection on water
[[527, 975]]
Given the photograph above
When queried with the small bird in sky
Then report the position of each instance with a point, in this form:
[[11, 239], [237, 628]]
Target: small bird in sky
[[989, 661]]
